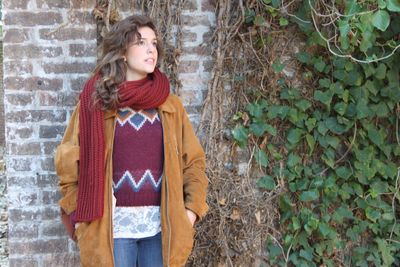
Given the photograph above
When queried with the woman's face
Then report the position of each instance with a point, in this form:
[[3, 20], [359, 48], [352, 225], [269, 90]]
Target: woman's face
[[141, 56]]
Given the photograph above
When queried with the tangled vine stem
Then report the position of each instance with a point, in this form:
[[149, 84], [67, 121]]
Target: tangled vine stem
[[333, 14]]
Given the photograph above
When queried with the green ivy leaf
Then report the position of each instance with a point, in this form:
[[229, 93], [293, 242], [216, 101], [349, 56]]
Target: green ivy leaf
[[296, 223], [303, 57], [362, 109], [259, 21], [386, 252], [380, 72], [309, 195], [293, 160], [375, 136], [324, 83], [311, 142], [278, 111], [277, 66], [261, 157], [283, 22], [372, 214], [240, 135], [267, 182], [294, 135], [303, 104], [310, 123], [319, 64], [381, 4], [259, 128], [323, 97], [381, 20], [393, 5], [343, 172], [334, 126], [276, 3], [340, 108], [306, 254]]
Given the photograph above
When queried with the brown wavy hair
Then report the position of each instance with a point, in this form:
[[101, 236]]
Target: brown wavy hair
[[112, 66]]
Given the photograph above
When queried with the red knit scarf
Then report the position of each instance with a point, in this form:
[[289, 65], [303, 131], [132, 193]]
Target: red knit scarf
[[148, 93]]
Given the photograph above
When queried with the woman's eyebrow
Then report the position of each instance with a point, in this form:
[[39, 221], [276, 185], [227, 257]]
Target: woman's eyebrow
[[144, 38]]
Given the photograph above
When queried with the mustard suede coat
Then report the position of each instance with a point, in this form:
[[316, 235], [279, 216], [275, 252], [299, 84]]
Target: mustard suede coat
[[184, 185]]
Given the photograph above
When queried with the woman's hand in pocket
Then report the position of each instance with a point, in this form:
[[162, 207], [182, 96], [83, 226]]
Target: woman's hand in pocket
[[192, 216]]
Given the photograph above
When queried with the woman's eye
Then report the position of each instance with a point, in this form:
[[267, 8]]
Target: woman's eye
[[154, 44]]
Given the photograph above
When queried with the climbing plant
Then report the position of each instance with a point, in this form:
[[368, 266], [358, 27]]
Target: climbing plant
[[333, 141]]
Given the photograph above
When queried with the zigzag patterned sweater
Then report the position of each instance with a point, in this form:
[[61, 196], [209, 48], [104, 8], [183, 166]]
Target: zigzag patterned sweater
[[137, 172]]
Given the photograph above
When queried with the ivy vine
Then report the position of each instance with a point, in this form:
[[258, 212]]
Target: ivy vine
[[338, 148]]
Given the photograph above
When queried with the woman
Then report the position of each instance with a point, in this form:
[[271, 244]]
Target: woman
[[132, 172]]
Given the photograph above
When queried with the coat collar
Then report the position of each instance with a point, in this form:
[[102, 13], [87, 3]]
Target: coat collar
[[167, 106]]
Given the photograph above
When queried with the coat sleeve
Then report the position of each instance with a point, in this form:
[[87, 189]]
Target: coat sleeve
[[66, 164], [195, 181]]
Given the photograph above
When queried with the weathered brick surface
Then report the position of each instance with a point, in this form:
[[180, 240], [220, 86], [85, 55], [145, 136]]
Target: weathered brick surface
[[30, 19], [67, 34], [16, 36], [25, 262], [45, 69], [31, 51], [33, 83]]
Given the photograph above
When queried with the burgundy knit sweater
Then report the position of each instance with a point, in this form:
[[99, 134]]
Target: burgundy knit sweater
[[137, 158]]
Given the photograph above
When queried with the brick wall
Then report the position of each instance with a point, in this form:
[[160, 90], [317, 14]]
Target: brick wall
[[47, 59]]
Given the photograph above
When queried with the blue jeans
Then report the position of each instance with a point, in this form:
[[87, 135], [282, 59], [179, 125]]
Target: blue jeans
[[138, 252]]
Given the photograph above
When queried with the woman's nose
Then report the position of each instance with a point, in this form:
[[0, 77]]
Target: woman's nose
[[150, 48]]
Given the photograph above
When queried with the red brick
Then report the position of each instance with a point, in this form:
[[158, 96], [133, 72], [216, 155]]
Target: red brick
[[19, 133], [15, 4], [23, 231], [68, 98], [51, 214], [54, 230], [47, 164], [39, 246], [208, 65], [88, 4], [47, 98], [195, 20], [199, 50], [188, 66], [19, 196], [25, 18], [17, 67], [208, 5], [31, 51], [33, 83], [189, 36], [19, 164], [36, 116], [51, 197], [19, 215], [78, 83], [19, 99], [25, 262], [78, 67], [65, 260], [52, 4], [15, 35], [190, 5], [47, 179], [24, 149], [64, 34], [22, 181], [83, 17], [82, 50], [51, 131], [49, 148]]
